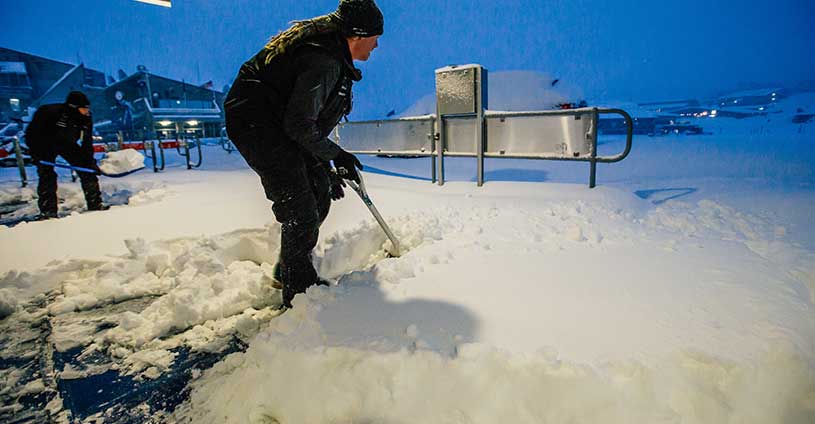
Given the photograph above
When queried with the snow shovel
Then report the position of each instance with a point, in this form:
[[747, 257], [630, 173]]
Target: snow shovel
[[88, 170], [363, 194]]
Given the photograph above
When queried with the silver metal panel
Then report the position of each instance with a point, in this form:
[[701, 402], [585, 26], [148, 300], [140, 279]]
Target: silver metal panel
[[567, 136], [459, 135], [393, 135], [456, 91]]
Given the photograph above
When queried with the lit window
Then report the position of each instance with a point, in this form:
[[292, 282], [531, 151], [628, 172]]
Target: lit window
[[15, 104]]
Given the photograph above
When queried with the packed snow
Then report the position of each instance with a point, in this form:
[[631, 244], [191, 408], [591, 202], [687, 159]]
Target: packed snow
[[121, 161], [681, 289]]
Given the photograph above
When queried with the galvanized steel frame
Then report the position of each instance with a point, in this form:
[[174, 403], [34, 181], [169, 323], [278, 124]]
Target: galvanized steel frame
[[438, 145]]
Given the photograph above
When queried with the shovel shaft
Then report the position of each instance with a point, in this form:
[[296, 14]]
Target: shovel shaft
[[363, 194]]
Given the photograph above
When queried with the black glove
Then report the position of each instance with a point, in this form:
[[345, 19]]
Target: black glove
[[335, 185], [347, 165]]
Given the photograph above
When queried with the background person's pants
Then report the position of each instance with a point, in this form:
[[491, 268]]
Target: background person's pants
[[47, 186]]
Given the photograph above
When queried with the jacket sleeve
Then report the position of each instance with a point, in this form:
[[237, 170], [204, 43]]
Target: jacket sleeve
[[34, 131], [311, 89], [87, 139]]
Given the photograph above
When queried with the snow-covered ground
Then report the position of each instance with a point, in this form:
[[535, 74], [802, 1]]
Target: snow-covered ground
[[681, 289]]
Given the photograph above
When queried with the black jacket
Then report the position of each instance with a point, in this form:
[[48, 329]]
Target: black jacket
[[301, 94], [57, 125]]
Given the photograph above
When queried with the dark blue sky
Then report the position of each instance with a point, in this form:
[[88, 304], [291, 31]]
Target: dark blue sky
[[613, 50]]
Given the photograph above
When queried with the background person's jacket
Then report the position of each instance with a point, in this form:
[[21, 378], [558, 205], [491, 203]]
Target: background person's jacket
[[55, 125]]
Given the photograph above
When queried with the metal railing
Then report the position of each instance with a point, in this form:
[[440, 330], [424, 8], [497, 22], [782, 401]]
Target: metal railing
[[18, 153], [183, 147], [562, 135]]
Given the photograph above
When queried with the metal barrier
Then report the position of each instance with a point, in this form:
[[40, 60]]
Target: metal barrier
[[412, 136], [226, 143], [18, 153], [563, 135], [154, 150], [152, 155], [185, 144]]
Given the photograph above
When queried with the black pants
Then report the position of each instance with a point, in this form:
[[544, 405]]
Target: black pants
[[47, 186], [298, 187]]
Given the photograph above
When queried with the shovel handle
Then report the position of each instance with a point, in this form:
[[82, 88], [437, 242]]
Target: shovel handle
[[363, 194]]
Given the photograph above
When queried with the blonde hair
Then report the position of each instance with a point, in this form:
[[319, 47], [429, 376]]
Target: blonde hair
[[299, 32]]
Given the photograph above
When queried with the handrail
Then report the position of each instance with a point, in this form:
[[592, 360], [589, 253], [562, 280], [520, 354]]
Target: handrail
[[629, 124]]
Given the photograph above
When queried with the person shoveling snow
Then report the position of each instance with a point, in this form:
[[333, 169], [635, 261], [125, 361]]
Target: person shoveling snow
[[313, 79], [53, 132]]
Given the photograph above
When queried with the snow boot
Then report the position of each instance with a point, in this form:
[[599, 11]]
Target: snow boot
[[42, 216], [289, 293]]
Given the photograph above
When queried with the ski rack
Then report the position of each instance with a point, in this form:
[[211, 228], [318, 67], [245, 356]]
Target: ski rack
[[154, 150], [427, 136], [227, 144], [18, 150], [185, 144], [18, 154]]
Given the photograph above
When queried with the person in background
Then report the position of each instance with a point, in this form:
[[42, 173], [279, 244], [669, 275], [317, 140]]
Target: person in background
[[54, 131], [282, 106]]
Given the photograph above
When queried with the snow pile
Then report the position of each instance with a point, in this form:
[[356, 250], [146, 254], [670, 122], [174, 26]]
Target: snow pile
[[198, 292], [8, 303], [121, 161], [20, 203], [603, 311], [271, 383]]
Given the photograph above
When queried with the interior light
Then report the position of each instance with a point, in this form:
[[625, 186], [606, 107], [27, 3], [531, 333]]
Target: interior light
[[192, 123], [165, 123]]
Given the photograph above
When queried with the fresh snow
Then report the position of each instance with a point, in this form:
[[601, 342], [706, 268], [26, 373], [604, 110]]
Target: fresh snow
[[681, 289]]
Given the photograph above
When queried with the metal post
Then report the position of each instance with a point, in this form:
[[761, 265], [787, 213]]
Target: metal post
[[120, 140], [149, 92], [432, 136], [480, 133], [18, 152], [479, 146], [595, 116], [440, 150]]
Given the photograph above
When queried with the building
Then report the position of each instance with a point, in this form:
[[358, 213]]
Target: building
[[145, 105], [140, 105], [29, 81]]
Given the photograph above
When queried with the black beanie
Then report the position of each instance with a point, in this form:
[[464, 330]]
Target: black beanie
[[361, 18], [77, 99]]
